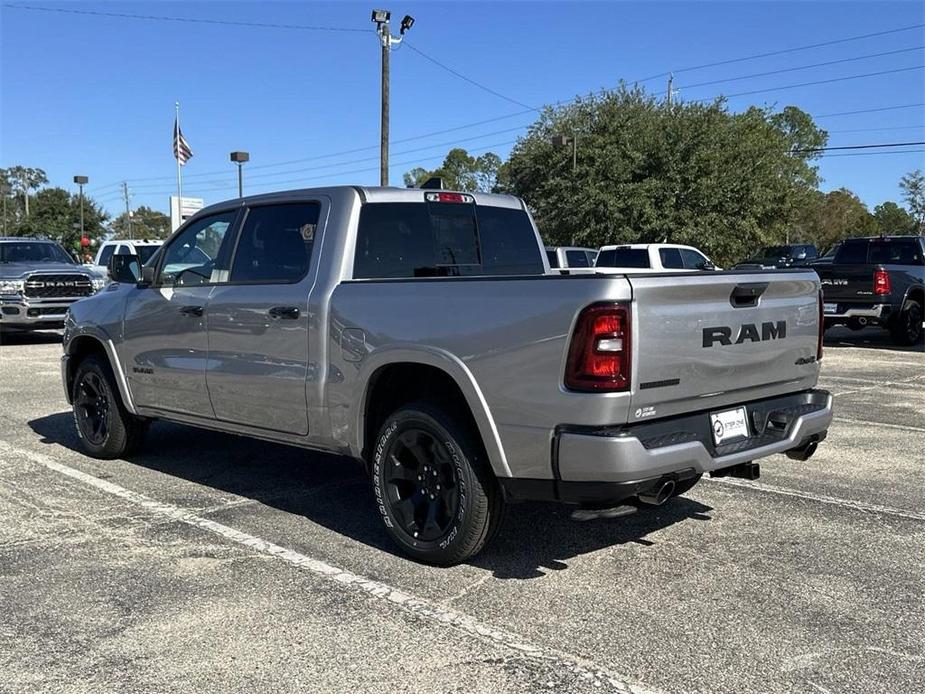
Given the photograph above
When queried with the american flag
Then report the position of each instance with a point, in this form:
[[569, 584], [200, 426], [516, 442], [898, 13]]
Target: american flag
[[181, 150]]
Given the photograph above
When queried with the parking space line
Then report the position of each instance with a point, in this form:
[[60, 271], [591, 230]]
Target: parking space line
[[867, 422], [420, 607], [821, 498]]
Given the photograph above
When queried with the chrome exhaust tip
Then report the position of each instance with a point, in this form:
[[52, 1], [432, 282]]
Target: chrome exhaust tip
[[659, 494]]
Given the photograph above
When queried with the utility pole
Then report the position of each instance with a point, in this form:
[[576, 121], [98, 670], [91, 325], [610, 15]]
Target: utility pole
[[128, 209], [381, 19], [384, 118], [670, 90]]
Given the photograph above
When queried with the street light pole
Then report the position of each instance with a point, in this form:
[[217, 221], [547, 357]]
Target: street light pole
[[81, 181], [239, 158], [381, 19]]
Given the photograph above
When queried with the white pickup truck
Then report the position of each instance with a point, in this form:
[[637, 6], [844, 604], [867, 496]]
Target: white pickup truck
[[652, 257], [421, 332]]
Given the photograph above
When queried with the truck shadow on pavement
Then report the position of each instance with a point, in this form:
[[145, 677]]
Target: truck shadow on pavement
[[38, 337], [869, 338], [334, 492]]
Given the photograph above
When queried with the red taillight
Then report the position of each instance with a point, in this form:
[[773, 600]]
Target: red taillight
[[882, 282], [599, 355], [821, 327]]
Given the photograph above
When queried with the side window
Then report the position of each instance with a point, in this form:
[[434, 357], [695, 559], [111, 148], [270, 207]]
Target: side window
[[671, 258], [106, 254], [692, 259], [275, 245], [576, 258], [193, 257], [592, 256]]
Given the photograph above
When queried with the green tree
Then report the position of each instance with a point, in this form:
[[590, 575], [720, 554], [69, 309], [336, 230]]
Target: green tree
[[836, 215], [146, 224], [55, 213], [913, 186], [689, 173], [460, 171], [893, 219], [23, 180]]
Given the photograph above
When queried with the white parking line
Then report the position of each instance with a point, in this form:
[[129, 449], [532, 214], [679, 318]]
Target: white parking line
[[821, 498], [421, 607]]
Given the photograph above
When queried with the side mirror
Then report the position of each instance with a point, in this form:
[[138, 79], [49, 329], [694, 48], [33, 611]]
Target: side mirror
[[123, 268], [707, 266], [147, 275], [801, 256]]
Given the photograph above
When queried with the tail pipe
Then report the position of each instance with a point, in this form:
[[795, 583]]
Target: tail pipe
[[659, 493], [805, 450]]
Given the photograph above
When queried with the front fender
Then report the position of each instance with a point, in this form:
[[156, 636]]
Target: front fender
[[98, 318]]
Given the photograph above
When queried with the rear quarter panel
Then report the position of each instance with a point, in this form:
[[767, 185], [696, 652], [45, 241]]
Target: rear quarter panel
[[503, 340]]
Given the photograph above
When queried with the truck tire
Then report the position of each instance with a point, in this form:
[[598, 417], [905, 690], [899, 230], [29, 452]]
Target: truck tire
[[435, 492], [106, 429], [906, 329]]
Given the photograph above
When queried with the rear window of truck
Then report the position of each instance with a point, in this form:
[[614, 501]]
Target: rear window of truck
[[409, 239], [623, 257], [880, 252]]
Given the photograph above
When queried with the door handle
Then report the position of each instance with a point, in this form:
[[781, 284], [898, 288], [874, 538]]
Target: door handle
[[191, 310], [287, 312]]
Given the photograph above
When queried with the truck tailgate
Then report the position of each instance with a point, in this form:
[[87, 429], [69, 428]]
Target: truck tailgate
[[847, 282], [713, 339]]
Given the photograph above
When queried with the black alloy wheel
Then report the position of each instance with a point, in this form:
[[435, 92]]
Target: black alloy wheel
[[421, 485], [92, 407]]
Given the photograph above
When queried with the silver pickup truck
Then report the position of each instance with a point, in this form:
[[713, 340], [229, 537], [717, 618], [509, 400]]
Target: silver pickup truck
[[422, 332]]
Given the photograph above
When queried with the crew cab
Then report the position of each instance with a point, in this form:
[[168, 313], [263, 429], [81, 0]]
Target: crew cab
[[651, 257], [38, 281], [877, 281], [421, 332]]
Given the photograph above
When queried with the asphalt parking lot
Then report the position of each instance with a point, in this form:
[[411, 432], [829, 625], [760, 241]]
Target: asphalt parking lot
[[213, 563]]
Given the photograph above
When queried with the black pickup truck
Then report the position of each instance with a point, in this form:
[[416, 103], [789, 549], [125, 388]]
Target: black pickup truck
[[876, 281]]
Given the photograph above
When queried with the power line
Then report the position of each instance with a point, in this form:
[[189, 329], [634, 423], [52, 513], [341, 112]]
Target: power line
[[828, 81], [467, 79], [354, 161], [783, 51], [920, 126], [867, 154], [873, 146], [189, 20], [869, 110], [803, 67]]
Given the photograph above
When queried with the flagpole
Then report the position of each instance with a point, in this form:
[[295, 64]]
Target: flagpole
[[179, 175]]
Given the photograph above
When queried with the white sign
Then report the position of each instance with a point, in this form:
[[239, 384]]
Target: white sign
[[183, 209]]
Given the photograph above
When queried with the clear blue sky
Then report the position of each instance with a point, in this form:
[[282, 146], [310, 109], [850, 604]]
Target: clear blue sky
[[95, 95]]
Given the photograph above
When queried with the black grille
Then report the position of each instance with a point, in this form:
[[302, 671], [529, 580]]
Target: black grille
[[57, 286]]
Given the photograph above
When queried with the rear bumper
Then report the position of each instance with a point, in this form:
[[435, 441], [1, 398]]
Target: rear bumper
[[618, 462], [845, 311]]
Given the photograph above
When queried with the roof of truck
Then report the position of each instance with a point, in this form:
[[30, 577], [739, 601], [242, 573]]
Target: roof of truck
[[366, 193]]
